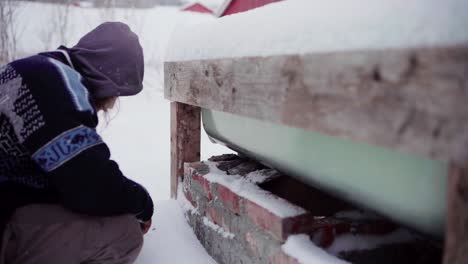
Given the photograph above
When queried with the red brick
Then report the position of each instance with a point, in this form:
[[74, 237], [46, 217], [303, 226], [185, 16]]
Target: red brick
[[253, 243], [205, 184], [265, 219], [281, 258], [213, 215], [190, 198], [277, 226], [328, 228], [325, 237], [229, 199], [304, 223], [226, 165], [217, 218]]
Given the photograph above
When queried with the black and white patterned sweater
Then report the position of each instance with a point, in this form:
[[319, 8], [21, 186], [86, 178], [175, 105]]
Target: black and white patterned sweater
[[49, 148]]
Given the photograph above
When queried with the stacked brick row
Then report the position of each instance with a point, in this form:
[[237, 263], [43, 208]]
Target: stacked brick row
[[256, 233], [237, 228]]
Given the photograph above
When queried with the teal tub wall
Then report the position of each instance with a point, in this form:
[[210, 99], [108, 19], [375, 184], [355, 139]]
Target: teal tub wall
[[406, 188]]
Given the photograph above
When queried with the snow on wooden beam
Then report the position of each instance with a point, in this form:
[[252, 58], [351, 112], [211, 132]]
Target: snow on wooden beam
[[411, 100]]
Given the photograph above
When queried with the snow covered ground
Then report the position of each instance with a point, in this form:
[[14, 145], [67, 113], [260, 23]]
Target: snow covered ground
[[172, 241]]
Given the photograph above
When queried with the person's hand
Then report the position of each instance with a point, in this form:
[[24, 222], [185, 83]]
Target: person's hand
[[145, 226]]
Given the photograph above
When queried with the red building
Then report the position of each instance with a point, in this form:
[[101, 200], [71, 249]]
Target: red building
[[197, 7], [236, 6]]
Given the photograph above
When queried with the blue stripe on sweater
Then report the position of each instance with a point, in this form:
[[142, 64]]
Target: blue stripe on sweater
[[72, 80], [66, 146]]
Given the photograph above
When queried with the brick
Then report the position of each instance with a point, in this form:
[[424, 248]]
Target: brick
[[245, 167], [265, 219], [328, 228], [258, 232], [229, 199], [193, 174], [205, 184], [226, 165], [198, 168], [190, 198], [214, 216], [304, 223], [324, 237], [280, 228], [224, 157], [253, 244]]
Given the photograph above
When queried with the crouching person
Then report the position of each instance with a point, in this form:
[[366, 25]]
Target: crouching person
[[62, 199]]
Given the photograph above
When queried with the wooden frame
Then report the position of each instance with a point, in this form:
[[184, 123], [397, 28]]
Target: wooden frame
[[413, 100], [410, 100], [456, 237], [185, 140]]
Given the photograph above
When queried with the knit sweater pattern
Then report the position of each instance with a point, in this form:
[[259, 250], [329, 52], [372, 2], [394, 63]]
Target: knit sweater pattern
[[49, 148]]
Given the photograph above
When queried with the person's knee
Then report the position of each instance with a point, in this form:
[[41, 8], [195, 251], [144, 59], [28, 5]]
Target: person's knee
[[123, 237], [97, 239]]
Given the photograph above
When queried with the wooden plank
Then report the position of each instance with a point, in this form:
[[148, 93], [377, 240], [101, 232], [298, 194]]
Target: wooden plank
[[185, 140], [412, 100], [456, 237]]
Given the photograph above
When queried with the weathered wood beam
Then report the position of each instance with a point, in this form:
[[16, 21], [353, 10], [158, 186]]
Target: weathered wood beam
[[411, 100], [456, 237], [185, 140]]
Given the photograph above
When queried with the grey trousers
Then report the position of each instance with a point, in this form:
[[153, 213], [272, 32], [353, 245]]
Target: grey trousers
[[50, 234]]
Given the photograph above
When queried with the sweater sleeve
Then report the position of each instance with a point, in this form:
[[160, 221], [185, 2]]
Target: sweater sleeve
[[67, 147]]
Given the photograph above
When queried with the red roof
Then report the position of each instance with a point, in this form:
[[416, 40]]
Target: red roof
[[236, 6], [197, 7]]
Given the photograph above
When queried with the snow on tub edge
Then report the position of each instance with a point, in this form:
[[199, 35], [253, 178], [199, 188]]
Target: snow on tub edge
[[311, 26]]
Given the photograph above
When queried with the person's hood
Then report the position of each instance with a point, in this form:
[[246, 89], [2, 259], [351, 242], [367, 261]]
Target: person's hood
[[110, 59]]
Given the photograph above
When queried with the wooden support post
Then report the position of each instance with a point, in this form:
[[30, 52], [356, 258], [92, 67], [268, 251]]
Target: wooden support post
[[185, 140], [456, 237]]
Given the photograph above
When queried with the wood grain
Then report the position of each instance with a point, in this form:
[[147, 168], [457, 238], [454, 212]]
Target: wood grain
[[411, 100], [456, 237], [185, 140]]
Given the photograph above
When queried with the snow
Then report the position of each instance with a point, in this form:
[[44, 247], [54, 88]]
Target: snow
[[310, 26], [261, 176], [184, 203], [154, 27], [217, 228], [305, 251], [350, 242], [245, 188], [301, 248], [172, 240]]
